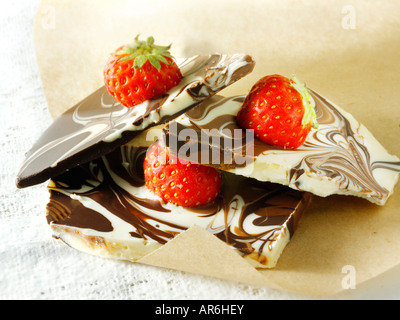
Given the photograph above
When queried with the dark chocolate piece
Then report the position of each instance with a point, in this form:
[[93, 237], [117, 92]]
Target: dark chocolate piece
[[98, 124]]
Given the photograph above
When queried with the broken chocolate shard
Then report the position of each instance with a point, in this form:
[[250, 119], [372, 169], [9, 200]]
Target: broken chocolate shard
[[98, 125], [340, 157], [108, 211]]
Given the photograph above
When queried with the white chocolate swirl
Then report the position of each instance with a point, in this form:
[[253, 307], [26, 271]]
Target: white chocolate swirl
[[107, 199], [340, 157]]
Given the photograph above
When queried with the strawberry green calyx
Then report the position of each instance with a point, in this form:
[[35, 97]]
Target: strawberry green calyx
[[143, 51], [308, 103]]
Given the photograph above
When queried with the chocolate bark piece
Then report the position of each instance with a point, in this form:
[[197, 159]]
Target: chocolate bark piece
[[98, 124], [104, 208], [341, 157]]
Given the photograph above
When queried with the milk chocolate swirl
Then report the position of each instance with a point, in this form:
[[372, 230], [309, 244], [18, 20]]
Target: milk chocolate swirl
[[99, 124], [107, 198], [340, 157]]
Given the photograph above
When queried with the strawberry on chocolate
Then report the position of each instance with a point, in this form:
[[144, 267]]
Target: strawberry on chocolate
[[141, 71], [180, 182], [280, 110]]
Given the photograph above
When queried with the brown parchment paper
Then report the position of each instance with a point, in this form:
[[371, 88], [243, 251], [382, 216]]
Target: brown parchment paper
[[346, 50]]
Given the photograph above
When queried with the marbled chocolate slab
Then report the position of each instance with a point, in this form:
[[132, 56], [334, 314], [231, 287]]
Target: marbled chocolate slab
[[99, 124], [340, 157], [105, 209]]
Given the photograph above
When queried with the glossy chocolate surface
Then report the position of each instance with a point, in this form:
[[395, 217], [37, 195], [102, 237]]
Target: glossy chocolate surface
[[99, 124], [108, 199], [342, 155]]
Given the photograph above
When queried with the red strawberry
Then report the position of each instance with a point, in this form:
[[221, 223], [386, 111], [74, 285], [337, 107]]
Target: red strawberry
[[141, 71], [280, 110], [180, 182]]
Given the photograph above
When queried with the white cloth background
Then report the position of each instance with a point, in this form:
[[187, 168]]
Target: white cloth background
[[32, 264]]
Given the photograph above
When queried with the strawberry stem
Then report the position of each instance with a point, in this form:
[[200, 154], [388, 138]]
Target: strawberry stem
[[143, 51], [308, 103]]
